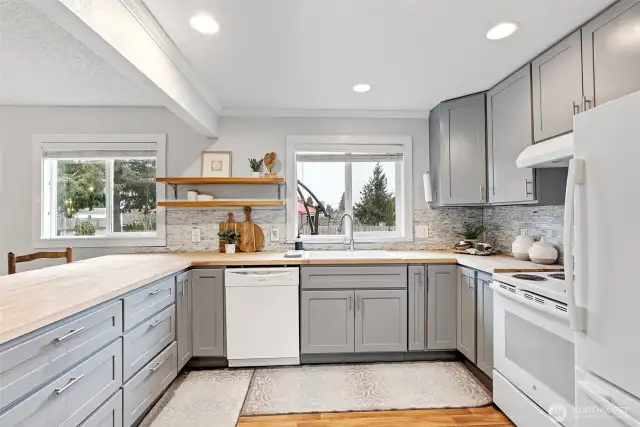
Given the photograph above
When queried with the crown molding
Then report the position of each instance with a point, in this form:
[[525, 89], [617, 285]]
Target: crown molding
[[145, 18], [333, 114]]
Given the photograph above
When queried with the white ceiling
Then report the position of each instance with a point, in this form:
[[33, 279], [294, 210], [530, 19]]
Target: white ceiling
[[307, 54], [41, 64]]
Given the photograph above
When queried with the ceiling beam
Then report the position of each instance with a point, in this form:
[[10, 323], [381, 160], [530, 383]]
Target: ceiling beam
[[111, 30]]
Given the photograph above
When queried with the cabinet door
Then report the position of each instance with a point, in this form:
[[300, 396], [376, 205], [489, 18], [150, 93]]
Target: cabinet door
[[611, 53], [557, 88], [463, 162], [417, 309], [484, 324], [207, 295], [327, 322], [441, 307], [184, 328], [467, 313], [508, 133], [381, 321]]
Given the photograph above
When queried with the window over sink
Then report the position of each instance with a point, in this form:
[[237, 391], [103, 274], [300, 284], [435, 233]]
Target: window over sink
[[99, 190], [367, 177]]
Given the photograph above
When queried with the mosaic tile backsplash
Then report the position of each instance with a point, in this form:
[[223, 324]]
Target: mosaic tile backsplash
[[433, 228]]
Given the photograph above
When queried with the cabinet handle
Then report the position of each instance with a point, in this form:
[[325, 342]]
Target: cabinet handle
[[69, 384], [156, 323], [576, 109], [526, 187], [358, 303], [586, 103], [155, 368], [350, 303], [70, 334], [482, 192], [156, 292]]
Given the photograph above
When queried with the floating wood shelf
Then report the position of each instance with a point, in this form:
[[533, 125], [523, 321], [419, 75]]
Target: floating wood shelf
[[222, 181], [219, 203]]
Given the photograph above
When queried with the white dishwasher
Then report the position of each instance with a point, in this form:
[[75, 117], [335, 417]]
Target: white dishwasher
[[262, 316]]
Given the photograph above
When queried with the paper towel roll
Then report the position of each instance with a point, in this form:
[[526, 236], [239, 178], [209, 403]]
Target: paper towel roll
[[428, 192]]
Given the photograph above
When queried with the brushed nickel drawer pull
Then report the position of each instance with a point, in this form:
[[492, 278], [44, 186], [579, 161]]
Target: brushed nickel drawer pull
[[155, 368], [59, 391], [70, 334], [156, 323], [156, 292]]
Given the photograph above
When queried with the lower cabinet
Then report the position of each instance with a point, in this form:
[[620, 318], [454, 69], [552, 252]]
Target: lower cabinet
[[347, 321], [484, 338], [417, 308], [467, 313], [108, 415], [207, 302], [441, 307], [184, 318]]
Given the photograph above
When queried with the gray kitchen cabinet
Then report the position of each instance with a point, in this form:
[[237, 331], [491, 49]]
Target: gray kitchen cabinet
[[458, 151], [417, 308], [508, 134], [441, 307], [184, 319], [380, 320], [141, 304], [466, 320], [354, 277], [610, 54], [327, 321], [207, 297], [108, 415], [484, 334], [557, 88]]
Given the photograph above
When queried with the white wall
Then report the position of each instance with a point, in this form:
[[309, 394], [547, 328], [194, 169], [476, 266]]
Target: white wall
[[244, 137]]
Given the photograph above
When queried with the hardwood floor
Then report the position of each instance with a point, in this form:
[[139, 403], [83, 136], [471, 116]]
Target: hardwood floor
[[477, 417]]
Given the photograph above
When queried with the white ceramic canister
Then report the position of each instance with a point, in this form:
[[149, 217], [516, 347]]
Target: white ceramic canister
[[543, 252], [192, 195], [520, 247]]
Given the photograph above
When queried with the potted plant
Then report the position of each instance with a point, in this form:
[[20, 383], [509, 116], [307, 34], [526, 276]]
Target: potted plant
[[255, 166], [230, 237], [472, 233]]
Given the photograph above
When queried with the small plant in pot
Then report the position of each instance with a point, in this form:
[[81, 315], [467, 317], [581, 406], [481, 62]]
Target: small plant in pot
[[230, 237], [471, 233], [255, 166]]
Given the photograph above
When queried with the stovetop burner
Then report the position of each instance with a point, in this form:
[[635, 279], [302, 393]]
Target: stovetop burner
[[559, 276], [531, 277]]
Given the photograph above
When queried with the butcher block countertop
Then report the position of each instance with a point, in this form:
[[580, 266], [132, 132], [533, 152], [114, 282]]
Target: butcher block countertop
[[37, 298]]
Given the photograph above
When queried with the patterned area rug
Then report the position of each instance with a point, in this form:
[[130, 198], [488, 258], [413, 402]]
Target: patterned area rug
[[369, 387]]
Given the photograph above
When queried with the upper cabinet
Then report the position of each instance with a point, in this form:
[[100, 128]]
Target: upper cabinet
[[557, 88], [458, 151], [611, 53], [508, 133]]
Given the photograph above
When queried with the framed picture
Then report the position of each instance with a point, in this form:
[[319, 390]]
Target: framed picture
[[216, 164]]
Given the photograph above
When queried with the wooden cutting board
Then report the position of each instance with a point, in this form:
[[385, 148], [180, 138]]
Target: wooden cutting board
[[230, 224], [251, 235]]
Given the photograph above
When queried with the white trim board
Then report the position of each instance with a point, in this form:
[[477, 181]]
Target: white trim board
[[329, 114]]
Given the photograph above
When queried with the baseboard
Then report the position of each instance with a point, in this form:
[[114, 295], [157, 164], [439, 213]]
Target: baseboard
[[207, 362], [313, 359]]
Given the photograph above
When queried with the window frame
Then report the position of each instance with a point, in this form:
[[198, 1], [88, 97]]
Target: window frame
[[404, 216], [42, 196]]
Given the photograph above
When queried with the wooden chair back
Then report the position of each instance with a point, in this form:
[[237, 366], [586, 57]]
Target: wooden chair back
[[13, 259]]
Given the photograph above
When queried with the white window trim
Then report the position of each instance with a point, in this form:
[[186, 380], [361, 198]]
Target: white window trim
[[128, 240], [304, 142]]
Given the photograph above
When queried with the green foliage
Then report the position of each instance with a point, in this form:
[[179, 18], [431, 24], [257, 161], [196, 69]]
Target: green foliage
[[230, 237], [85, 228], [377, 204], [341, 207], [471, 231], [81, 185], [255, 164], [135, 185]]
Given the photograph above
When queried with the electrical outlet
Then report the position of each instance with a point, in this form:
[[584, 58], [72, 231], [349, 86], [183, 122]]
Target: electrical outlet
[[195, 235], [524, 232], [422, 231], [275, 234]]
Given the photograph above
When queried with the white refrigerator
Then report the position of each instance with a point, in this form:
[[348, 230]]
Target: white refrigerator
[[602, 219]]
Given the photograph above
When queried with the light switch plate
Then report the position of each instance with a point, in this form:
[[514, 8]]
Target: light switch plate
[[275, 234], [195, 235]]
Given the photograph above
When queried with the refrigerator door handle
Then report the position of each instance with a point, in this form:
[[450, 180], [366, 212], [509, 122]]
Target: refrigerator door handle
[[609, 407], [575, 177]]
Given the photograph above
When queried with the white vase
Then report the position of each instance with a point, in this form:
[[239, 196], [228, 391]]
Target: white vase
[[520, 247], [543, 252], [230, 249], [256, 174]]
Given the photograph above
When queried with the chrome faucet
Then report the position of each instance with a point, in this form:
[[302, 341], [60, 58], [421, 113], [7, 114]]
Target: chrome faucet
[[352, 243]]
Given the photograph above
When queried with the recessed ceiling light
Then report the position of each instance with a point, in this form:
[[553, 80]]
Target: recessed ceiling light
[[362, 88], [204, 24], [502, 30]]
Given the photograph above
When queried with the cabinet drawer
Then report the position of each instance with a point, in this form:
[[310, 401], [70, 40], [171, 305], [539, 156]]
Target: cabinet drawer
[[148, 384], [37, 360], [147, 340], [361, 277], [108, 415], [73, 396], [148, 301]]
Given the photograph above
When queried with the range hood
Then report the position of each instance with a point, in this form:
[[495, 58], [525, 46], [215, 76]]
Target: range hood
[[552, 153]]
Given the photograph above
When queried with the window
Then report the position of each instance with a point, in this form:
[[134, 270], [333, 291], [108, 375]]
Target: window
[[102, 192], [366, 177]]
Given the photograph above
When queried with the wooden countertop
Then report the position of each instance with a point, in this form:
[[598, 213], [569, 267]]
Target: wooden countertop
[[34, 299]]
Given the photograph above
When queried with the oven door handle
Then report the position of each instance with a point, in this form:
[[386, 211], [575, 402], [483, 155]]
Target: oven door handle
[[523, 301], [607, 405]]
